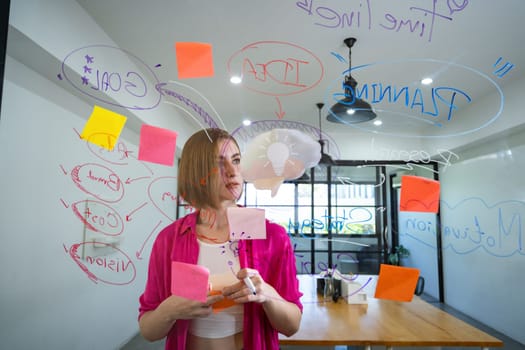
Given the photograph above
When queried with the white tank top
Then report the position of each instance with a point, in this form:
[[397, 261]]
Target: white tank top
[[223, 262]]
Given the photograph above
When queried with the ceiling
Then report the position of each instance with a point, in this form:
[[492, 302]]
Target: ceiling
[[291, 55]]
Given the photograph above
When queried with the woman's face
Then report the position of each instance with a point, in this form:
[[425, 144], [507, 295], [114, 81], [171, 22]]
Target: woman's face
[[229, 163]]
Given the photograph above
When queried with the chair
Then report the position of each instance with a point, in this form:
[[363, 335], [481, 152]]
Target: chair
[[369, 260], [420, 286]]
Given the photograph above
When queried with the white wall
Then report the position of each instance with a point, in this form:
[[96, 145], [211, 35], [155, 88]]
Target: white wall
[[49, 299], [483, 227], [481, 191]]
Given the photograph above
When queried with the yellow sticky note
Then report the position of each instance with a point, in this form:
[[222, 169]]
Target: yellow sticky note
[[103, 127]]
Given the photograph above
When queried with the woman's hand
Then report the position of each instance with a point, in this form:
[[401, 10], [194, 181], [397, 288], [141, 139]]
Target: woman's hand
[[179, 308], [156, 324], [241, 293], [284, 316]]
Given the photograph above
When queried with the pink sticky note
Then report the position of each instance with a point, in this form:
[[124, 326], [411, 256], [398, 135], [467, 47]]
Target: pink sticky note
[[419, 194], [396, 282], [189, 281], [246, 223], [157, 145], [194, 60]]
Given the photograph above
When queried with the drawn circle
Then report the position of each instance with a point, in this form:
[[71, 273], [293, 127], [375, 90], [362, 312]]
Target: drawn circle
[[109, 263], [241, 58], [120, 149], [437, 127], [110, 224], [109, 99], [107, 187], [158, 196]]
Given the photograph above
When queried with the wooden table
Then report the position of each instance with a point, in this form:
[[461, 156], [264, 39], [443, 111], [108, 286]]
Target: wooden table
[[380, 322]]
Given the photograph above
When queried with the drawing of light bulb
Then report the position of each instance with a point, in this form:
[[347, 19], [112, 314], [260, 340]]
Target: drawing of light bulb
[[278, 154], [288, 151]]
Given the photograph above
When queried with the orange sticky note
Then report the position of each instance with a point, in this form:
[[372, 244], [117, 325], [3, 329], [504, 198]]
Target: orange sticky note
[[189, 281], [103, 127], [246, 223], [222, 304], [194, 60], [157, 145], [419, 194], [396, 282]]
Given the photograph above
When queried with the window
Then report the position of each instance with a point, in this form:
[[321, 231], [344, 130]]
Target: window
[[334, 215], [330, 217]]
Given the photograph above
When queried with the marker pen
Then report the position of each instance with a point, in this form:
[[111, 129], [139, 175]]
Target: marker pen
[[248, 282]]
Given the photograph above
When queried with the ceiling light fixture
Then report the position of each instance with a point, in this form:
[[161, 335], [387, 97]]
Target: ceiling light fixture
[[235, 79], [351, 109], [426, 81]]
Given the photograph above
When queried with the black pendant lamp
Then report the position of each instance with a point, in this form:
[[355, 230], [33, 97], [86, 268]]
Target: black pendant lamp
[[325, 158], [350, 110]]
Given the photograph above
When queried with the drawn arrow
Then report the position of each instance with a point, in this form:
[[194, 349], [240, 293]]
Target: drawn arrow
[[128, 217], [346, 180], [138, 254], [305, 5], [147, 167], [76, 132], [63, 170], [280, 114], [339, 57], [129, 180], [159, 87]]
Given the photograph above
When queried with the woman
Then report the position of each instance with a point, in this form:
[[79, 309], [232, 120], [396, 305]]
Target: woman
[[209, 179]]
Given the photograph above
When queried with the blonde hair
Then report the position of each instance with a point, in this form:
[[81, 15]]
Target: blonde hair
[[198, 179]]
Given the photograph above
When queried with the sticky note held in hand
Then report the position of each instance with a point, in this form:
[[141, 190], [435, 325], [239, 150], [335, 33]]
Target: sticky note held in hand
[[189, 281], [222, 304]]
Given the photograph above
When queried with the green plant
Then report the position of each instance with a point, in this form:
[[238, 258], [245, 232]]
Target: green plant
[[394, 258]]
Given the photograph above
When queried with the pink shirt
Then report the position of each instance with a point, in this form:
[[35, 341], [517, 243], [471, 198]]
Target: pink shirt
[[273, 257]]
